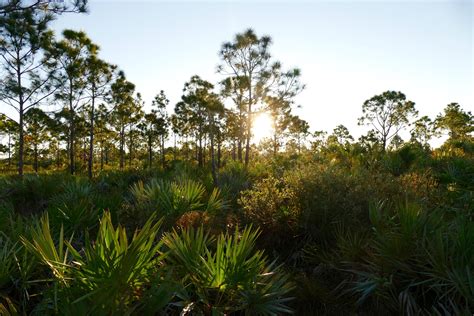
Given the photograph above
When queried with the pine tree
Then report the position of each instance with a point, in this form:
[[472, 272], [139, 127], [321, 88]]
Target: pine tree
[[24, 35]]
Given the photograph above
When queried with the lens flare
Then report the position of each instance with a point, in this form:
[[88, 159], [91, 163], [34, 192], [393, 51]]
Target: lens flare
[[262, 127]]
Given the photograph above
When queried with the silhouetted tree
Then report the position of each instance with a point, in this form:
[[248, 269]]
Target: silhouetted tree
[[192, 111], [10, 128], [247, 61], [342, 135], [458, 123], [50, 7], [135, 115], [161, 125], [104, 134], [234, 87], [38, 125], [72, 54], [422, 131], [387, 113], [23, 35], [298, 130], [279, 102], [99, 77], [124, 106]]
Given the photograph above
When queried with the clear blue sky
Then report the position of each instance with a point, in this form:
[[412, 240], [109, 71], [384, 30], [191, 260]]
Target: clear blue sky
[[348, 51]]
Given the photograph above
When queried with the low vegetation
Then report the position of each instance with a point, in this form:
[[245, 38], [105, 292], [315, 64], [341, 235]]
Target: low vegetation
[[320, 236], [108, 210]]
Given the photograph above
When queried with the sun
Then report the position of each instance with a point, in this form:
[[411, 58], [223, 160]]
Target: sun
[[262, 127]]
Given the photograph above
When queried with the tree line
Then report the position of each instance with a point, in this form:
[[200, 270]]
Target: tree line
[[72, 103]]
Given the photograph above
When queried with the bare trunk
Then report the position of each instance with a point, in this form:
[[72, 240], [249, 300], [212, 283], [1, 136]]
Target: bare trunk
[[241, 136], [71, 148], [72, 132], [130, 149], [204, 151], [9, 150], [219, 145], [174, 149], [106, 154], [122, 144], [163, 162], [234, 157], [150, 152], [240, 151], [186, 148], [21, 140], [102, 156], [213, 161], [35, 164], [58, 156], [200, 163], [91, 135], [249, 124], [85, 154]]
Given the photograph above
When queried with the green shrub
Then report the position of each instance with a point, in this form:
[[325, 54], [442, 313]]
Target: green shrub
[[418, 262], [171, 199], [331, 197], [233, 179], [107, 276], [74, 207], [225, 275], [273, 206], [31, 194], [8, 254], [270, 203]]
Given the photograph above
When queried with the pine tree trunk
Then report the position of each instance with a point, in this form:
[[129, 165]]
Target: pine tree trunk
[[219, 145], [58, 157], [9, 150], [72, 132], [213, 160], [71, 149], [249, 124], [150, 152], [200, 163], [233, 151], [130, 157], [239, 150], [91, 135], [122, 144], [174, 149], [85, 159], [163, 162], [102, 156], [248, 136], [21, 140], [241, 135], [36, 157], [186, 154], [204, 151], [106, 154]]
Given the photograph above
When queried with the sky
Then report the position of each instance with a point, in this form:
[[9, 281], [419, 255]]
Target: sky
[[348, 51]]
